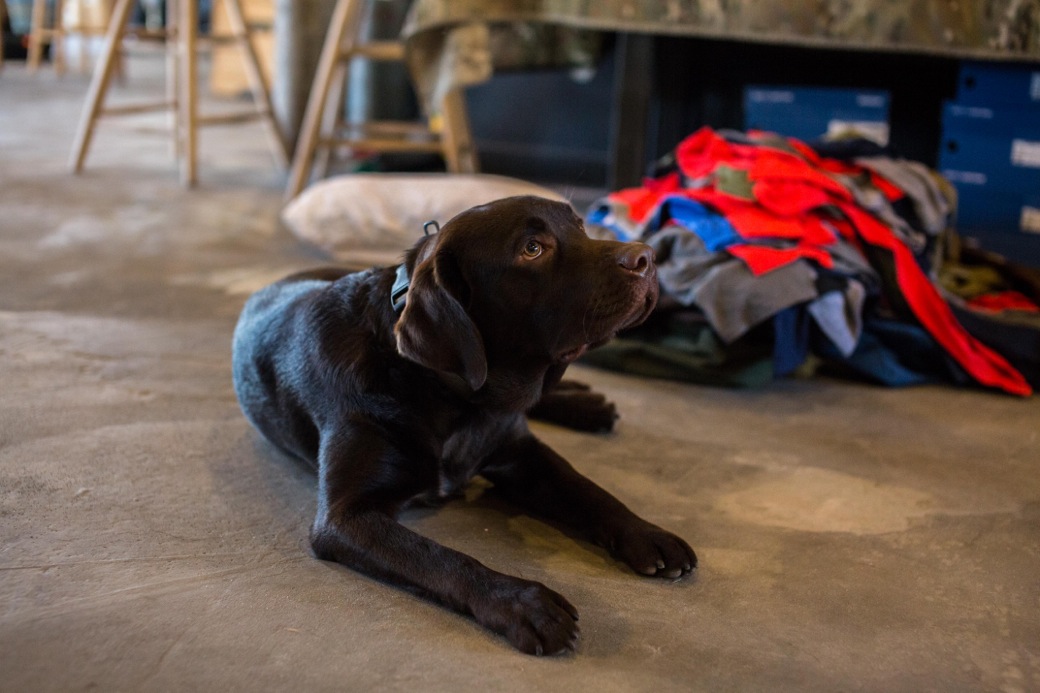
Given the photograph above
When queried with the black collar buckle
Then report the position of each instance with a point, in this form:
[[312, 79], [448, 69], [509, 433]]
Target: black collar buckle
[[399, 292]]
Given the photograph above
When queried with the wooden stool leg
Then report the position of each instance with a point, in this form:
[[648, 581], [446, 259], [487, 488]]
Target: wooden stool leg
[[173, 75], [344, 17], [36, 34], [84, 35], [120, 68], [57, 38], [332, 119], [456, 140], [3, 17], [188, 27], [99, 83], [257, 85]]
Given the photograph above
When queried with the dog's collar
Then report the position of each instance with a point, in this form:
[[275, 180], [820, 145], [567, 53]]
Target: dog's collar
[[399, 292]]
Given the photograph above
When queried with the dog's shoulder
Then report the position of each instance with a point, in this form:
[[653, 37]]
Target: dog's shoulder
[[356, 306], [319, 307]]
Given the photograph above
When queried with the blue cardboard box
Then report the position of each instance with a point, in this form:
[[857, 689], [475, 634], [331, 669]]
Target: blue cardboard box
[[991, 154], [1006, 223], [1002, 220], [808, 113], [998, 147], [995, 83], [980, 208], [991, 120], [1009, 164]]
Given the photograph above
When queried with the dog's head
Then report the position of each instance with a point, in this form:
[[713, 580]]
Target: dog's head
[[517, 286]]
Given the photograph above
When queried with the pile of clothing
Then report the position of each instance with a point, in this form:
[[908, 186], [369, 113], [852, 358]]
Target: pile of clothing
[[775, 257]]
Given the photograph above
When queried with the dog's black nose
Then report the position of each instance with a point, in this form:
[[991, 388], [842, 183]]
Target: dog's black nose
[[637, 258]]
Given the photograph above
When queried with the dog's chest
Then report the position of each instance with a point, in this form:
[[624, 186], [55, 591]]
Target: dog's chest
[[466, 449]]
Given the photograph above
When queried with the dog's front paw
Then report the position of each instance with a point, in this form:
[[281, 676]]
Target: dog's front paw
[[575, 405], [650, 550], [531, 616]]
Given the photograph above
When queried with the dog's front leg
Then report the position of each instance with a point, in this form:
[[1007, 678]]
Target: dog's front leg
[[363, 480], [532, 476], [575, 405]]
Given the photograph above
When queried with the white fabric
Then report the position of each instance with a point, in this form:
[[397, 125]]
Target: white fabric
[[372, 218]]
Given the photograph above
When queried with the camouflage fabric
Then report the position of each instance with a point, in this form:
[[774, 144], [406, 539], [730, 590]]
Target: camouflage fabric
[[454, 43]]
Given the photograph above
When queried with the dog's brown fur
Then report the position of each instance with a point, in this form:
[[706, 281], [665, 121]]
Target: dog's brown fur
[[394, 408]]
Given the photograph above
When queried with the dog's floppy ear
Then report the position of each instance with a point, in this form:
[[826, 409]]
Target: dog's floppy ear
[[434, 330]]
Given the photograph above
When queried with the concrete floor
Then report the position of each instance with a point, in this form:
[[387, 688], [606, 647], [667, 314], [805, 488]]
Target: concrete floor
[[851, 537]]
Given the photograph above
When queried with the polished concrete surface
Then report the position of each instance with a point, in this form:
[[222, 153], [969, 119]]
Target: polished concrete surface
[[850, 537]]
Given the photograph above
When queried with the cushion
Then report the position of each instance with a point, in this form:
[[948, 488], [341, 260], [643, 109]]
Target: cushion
[[369, 219]]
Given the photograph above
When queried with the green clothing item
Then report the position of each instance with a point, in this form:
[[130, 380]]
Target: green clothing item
[[690, 352]]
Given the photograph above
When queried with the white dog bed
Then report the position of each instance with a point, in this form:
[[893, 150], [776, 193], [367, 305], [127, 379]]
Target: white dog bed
[[372, 218]]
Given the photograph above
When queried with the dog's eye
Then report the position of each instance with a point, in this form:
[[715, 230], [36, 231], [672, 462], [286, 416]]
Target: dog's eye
[[533, 249]]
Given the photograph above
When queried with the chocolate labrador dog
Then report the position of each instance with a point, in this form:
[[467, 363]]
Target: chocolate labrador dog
[[402, 385]]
